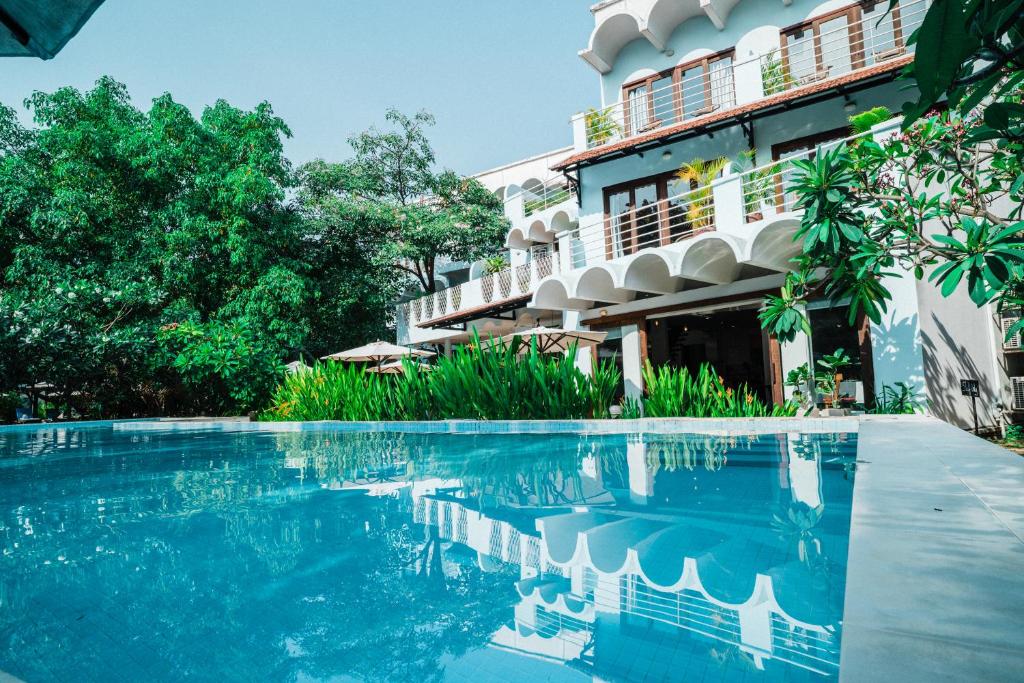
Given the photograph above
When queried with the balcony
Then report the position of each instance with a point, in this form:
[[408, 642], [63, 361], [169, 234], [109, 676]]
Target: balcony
[[487, 296], [837, 48], [739, 226], [539, 210]]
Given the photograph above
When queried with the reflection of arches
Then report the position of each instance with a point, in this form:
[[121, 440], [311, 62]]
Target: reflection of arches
[[711, 258], [597, 283], [650, 272], [773, 246]]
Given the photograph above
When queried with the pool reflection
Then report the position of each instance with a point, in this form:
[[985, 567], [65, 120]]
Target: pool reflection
[[385, 556]]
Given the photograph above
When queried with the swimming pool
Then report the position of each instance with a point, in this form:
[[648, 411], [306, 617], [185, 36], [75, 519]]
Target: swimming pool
[[320, 554]]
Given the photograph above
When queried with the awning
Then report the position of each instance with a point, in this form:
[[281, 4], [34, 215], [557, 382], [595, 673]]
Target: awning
[[40, 28]]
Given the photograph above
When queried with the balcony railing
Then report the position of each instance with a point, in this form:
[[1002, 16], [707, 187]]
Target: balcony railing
[[728, 203], [491, 288], [820, 53], [534, 199]]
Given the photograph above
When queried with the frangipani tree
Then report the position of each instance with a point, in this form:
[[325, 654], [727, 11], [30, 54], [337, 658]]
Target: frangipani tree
[[939, 199]]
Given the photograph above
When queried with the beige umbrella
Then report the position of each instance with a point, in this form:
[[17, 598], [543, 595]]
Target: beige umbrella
[[377, 352], [395, 367], [554, 340]]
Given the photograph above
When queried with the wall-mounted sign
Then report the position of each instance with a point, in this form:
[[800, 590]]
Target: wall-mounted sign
[[969, 387]]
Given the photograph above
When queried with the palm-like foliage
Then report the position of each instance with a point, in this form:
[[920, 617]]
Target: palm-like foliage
[[699, 174], [480, 381], [676, 392]]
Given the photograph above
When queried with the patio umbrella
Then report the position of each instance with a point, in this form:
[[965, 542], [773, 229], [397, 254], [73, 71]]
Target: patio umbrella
[[40, 28], [377, 352], [554, 340], [395, 367]]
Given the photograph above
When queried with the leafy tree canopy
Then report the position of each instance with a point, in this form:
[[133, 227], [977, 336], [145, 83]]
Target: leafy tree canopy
[[152, 261], [942, 199]]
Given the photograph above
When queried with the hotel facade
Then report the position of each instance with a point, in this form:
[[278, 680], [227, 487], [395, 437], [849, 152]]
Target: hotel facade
[[606, 235]]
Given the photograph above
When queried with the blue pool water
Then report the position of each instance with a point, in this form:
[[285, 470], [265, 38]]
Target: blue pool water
[[132, 554]]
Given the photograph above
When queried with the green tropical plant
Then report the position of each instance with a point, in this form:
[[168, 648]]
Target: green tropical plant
[[1014, 434], [800, 379], [759, 184], [479, 381], [866, 120], [676, 392], [601, 126], [774, 76], [900, 399], [830, 373], [495, 264], [9, 402], [632, 408], [699, 174]]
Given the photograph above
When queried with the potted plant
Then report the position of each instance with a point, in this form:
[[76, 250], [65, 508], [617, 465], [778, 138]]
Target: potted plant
[[699, 174], [774, 76], [601, 127], [800, 379], [828, 378], [758, 185]]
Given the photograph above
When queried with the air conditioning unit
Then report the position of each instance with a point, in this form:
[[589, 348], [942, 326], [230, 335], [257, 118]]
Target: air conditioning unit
[[1009, 319], [1017, 385]]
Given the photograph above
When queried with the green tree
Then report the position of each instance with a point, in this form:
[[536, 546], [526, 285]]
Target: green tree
[[115, 222], [411, 214]]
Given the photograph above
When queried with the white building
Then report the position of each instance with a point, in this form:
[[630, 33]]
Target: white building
[[605, 236]]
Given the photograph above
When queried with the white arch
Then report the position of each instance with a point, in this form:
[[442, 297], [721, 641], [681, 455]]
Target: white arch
[[561, 221], [552, 294], [712, 258], [773, 246], [665, 16], [651, 272], [597, 283], [516, 239], [539, 232], [608, 39]]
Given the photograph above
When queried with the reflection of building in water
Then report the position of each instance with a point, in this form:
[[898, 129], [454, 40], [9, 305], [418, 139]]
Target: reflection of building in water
[[664, 547]]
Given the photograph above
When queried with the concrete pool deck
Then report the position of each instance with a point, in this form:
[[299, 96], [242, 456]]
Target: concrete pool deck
[[935, 575]]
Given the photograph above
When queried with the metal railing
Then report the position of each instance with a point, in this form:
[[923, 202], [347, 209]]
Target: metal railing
[[819, 56], [489, 288], [730, 202]]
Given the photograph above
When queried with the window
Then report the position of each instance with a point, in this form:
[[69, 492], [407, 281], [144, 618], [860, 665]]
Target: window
[[859, 35], [652, 212], [683, 92]]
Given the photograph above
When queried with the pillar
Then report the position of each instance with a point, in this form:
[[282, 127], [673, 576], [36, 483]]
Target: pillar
[[632, 361]]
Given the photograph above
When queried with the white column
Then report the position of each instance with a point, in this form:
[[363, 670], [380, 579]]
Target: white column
[[632, 368], [727, 195], [584, 357], [896, 347], [794, 354], [579, 132]]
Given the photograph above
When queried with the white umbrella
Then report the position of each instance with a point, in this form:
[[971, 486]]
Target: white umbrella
[[554, 340], [395, 367], [377, 352]]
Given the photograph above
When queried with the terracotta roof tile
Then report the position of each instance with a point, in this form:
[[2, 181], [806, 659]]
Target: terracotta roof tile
[[781, 98]]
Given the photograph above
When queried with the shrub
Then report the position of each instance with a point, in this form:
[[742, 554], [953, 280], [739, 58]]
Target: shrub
[[896, 400], [480, 381], [676, 392]]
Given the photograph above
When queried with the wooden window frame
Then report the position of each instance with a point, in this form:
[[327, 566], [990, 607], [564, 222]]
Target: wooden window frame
[[855, 38], [854, 16], [661, 182], [675, 74]]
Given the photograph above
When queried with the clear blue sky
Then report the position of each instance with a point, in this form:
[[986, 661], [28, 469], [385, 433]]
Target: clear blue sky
[[502, 77]]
